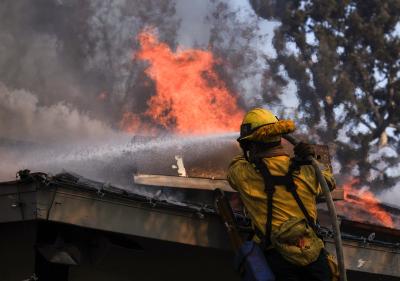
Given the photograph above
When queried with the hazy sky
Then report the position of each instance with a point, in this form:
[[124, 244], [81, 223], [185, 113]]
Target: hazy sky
[[194, 30]]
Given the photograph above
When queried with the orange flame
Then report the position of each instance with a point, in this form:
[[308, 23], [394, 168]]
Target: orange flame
[[132, 123], [190, 98], [367, 202]]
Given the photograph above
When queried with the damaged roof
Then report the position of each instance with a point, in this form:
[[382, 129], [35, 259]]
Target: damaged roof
[[168, 214]]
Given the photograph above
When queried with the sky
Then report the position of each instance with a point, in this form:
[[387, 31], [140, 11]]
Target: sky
[[194, 30]]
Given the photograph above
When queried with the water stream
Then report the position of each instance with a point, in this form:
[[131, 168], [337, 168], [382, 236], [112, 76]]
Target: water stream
[[111, 161]]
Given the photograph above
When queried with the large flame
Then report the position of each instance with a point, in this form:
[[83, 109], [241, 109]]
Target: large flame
[[190, 98], [367, 203]]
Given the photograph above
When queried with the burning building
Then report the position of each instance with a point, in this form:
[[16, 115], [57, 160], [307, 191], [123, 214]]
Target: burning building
[[67, 227], [148, 214]]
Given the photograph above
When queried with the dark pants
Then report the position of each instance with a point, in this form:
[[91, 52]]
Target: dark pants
[[286, 271]]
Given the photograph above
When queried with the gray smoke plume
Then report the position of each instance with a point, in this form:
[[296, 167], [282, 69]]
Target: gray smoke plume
[[80, 52], [67, 73], [391, 195], [59, 122]]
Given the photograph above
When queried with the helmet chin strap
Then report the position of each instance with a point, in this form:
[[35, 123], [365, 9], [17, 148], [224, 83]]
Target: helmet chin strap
[[248, 156], [244, 145]]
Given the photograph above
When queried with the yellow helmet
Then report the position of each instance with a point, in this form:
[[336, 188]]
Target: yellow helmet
[[262, 125]]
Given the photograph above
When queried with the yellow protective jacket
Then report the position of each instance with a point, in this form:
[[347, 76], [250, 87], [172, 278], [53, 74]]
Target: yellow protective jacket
[[244, 178]]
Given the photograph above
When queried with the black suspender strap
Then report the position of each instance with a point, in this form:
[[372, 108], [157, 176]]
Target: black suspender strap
[[292, 189], [269, 190], [270, 182]]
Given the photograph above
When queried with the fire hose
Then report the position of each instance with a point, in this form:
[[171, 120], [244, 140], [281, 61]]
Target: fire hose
[[331, 209]]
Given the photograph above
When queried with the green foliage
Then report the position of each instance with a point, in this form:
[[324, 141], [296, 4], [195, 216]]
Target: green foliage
[[344, 57]]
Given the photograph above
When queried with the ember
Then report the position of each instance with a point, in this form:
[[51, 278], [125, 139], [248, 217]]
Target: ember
[[190, 98]]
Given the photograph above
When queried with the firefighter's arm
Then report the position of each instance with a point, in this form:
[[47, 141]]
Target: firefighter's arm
[[235, 172], [304, 150]]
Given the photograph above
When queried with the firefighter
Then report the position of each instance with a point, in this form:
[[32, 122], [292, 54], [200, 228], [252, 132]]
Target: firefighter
[[279, 194]]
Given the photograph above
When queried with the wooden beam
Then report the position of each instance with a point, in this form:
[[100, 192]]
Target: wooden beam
[[182, 182], [199, 183]]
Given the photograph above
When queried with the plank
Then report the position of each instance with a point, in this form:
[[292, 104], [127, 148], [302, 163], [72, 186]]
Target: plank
[[182, 182], [199, 183]]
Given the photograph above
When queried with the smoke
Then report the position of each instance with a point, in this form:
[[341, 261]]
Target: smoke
[[59, 122], [80, 52], [67, 73], [391, 195], [32, 133], [193, 30]]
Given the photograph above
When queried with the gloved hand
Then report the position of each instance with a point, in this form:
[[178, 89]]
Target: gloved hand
[[303, 150]]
